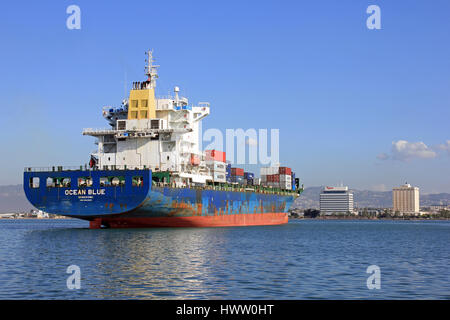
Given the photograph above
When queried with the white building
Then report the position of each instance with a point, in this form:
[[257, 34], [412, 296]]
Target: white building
[[336, 200], [405, 199]]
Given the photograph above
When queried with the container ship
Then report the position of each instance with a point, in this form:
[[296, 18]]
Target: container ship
[[148, 171]]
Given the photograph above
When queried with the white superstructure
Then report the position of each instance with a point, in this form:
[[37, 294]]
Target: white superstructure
[[161, 134]]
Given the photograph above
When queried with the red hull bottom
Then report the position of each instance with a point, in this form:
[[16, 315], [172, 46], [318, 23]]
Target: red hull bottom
[[233, 220]]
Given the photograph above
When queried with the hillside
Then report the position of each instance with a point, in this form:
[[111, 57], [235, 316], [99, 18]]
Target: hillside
[[12, 199], [364, 198]]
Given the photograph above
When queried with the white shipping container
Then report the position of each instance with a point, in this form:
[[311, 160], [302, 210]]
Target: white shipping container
[[219, 177], [216, 166], [269, 170], [285, 177], [286, 185], [256, 181]]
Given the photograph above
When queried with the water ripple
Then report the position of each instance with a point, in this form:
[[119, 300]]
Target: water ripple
[[301, 260]]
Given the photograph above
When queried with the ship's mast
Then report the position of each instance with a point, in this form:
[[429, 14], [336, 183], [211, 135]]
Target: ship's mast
[[150, 69]]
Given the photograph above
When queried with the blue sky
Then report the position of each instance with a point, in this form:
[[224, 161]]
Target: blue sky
[[340, 94]]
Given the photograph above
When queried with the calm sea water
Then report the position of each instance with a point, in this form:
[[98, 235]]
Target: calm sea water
[[300, 260]]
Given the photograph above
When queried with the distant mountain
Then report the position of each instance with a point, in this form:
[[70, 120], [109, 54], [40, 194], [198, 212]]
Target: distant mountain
[[364, 198], [12, 199]]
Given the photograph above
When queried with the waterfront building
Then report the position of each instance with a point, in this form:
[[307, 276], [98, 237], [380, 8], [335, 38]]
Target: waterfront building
[[405, 199], [336, 200]]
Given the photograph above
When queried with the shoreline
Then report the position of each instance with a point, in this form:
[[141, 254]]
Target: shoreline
[[369, 218], [293, 218], [64, 218]]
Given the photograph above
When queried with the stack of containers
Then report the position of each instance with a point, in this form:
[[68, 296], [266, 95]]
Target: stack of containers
[[237, 175], [215, 161], [228, 173], [265, 172], [277, 177], [285, 178], [273, 180], [248, 178]]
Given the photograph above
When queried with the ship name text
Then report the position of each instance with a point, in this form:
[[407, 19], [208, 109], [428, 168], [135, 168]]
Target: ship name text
[[83, 192]]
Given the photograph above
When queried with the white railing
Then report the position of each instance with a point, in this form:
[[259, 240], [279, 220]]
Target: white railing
[[85, 168], [89, 131]]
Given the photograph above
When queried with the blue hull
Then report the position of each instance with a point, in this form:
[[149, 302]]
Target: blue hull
[[145, 201]]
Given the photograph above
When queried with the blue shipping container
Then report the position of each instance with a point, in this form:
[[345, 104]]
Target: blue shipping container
[[249, 175], [238, 179]]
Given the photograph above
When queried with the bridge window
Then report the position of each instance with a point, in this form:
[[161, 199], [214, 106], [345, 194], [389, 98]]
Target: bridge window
[[34, 182], [121, 125], [50, 183], [66, 183], [112, 181], [134, 104], [84, 182], [154, 124], [137, 181], [58, 182]]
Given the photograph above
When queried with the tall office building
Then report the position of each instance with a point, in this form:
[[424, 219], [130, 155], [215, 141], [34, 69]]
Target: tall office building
[[405, 199], [336, 200]]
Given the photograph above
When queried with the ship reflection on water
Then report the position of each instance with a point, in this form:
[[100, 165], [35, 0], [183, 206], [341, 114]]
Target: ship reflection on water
[[170, 263]]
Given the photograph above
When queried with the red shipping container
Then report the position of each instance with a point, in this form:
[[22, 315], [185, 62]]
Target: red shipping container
[[284, 170], [237, 172], [215, 155], [273, 178]]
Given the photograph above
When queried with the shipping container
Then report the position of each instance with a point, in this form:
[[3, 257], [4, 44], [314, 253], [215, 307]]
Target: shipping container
[[237, 172], [293, 180], [215, 155], [286, 185], [269, 170], [273, 178], [249, 175], [237, 179], [219, 177], [284, 170], [216, 166]]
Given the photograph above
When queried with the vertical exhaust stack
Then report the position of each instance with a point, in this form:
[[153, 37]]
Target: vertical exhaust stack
[[176, 90]]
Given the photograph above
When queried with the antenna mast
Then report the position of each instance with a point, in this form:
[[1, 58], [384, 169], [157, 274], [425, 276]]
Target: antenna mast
[[150, 69]]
